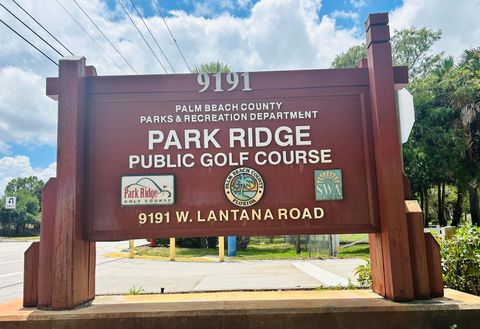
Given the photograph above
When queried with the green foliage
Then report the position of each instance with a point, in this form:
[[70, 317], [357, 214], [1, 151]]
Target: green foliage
[[31, 185], [212, 67], [461, 260], [364, 274], [350, 58], [25, 219], [413, 47], [135, 291], [357, 250], [210, 242], [435, 152]]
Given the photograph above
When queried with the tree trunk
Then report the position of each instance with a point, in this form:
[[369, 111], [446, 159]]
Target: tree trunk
[[444, 212], [458, 209], [427, 215], [441, 205], [297, 245], [474, 211], [440, 216], [422, 200]]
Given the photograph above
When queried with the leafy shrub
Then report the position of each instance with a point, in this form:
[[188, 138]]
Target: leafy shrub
[[364, 274], [209, 242], [461, 260]]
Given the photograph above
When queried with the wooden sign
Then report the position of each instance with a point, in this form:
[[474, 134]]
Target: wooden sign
[[245, 153], [250, 153]]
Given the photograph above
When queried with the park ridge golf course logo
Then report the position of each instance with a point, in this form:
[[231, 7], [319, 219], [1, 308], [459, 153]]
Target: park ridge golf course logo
[[148, 190], [244, 187]]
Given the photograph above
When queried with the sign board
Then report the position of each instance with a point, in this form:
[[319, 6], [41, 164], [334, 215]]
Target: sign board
[[10, 202], [229, 154]]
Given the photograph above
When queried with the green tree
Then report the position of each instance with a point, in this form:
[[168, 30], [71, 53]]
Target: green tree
[[434, 153], [31, 184], [462, 87], [350, 58], [444, 147], [25, 219], [411, 47]]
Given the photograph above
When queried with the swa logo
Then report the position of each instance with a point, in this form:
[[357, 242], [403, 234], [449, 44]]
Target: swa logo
[[328, 185]]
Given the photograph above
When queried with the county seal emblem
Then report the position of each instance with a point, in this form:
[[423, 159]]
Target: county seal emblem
[[244, 187]]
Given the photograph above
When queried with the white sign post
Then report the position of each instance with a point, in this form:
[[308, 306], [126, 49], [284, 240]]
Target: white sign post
[[10, 202], [406, 113]]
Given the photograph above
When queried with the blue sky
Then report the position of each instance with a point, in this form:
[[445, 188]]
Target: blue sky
[[248, 35]]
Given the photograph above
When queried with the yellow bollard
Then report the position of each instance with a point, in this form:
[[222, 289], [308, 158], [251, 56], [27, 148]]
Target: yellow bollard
[[221, 248], [172, 249], [131, 246]]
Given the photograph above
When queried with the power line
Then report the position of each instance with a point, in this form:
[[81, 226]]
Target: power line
[[131, 20], [171, 34], [28, 27], [31, 44], [91, 38], [113, 46], [26, 12], [151, 34]]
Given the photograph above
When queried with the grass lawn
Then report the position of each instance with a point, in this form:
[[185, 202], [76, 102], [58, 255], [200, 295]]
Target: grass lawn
[[179, 252], [350, 238], [21, 238], [260, 249], [358, 250], [270, 251]]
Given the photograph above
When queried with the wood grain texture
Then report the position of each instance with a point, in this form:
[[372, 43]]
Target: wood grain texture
[[72, 255], [418, 253], [30, 275], [376, 263], [434, 266], [394, 235], [47, 228]]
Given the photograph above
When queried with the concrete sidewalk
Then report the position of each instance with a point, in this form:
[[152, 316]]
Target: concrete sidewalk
[[120, 275]]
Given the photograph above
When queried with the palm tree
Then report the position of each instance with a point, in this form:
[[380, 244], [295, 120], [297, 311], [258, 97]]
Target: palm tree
[[463, 85]]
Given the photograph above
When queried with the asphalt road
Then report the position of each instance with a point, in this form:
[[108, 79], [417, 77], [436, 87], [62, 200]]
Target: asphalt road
[[120, 275]]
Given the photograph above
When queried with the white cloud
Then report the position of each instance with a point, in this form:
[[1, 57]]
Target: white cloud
[[276, 35], [244, 3], [358, 3], [27, 116], [458, 21], [19, 166], [294, 25], [4, 147], [345, 14]]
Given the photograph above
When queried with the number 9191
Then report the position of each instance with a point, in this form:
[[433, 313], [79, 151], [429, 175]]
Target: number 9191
[[153, 218], [232, 80]]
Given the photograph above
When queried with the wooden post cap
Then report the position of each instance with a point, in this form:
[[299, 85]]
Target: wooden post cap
[[377, 19]]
